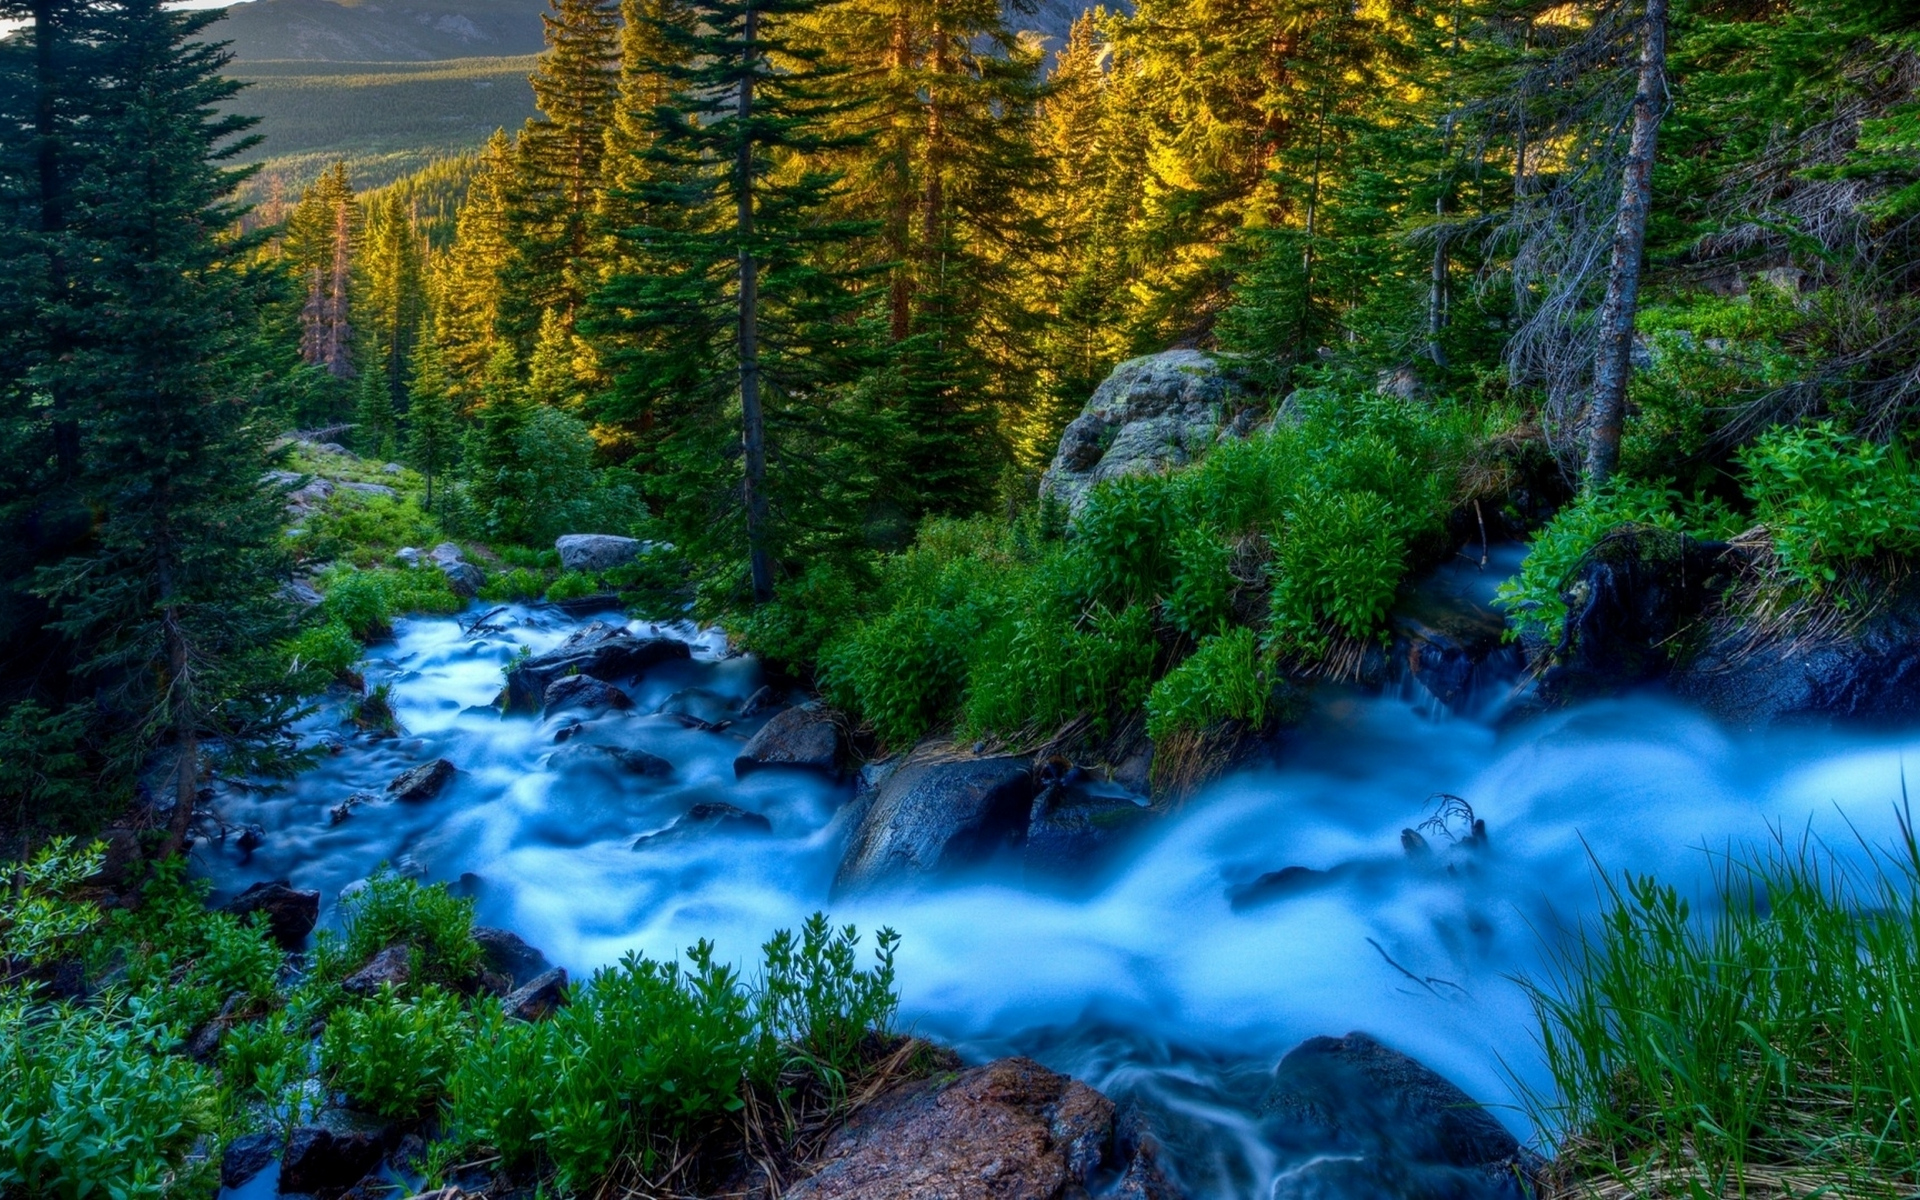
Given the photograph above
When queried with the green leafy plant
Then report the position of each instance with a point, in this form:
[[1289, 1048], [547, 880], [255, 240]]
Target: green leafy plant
[[1200, 601], [392, 909], [1535, 593], [573, 585], [1336, 571], [521, 583], [1831, 499], [320, 654], [1226, 679], [395, 1054], [366, 602]]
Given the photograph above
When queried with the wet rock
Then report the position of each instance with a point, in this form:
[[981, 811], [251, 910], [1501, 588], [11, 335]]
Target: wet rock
[[445, 553], [637, 762], [464, 578], [290, 912], [698, 708], [1135, 772], [335, 1151], [606, 652], [1068, 827], [1150, 414], [1628, 602], [936, 814], [341, 811], [763, 698], [423, 782], [1277, 885], [708, 816], [251, 838], [392, 966], [807, 737], [583, 692], [597, 551], [1009, 1129], [1869, 670], [505, 956], [1403, 1129], [537, 997], [301, 593], [205, 1042], [247, 1156]]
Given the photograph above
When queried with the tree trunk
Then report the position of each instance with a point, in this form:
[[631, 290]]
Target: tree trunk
[[753, 421], [1607, 409]]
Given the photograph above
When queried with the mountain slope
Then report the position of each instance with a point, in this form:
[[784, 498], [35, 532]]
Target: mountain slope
[[380, 30]]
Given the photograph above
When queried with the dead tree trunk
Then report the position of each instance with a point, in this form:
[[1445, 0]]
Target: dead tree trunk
[[1607, 406]]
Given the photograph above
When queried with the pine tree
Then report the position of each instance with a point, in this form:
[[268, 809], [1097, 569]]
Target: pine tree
[[393, 300], [323, 235], [737, 315], [473, 291], [557, 180], [173, 599], [433, 424]]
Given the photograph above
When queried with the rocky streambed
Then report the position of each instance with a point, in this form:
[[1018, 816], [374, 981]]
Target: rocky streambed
[[1289, 986]]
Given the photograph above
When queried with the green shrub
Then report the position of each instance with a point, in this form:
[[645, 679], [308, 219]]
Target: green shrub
[[1335, 572], [1200, 600], [93, 1101], [395, 1055], [1124, 539], [393, 909], [265, 1060], [45, 778], [519, 584], [320, 654], [651, 1055], [573, 585], [1559, 547], [39, 919], [1831, 499], [1226, 679], [1771, 1035], [366, 529], [807, 612], [366, 602], [182, 960], [1051, 662], [902, 670]]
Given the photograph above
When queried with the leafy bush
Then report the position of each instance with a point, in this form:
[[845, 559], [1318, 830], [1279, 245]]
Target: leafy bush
[[44, 773], [320, 654], [183, 961], [529, 477], [366, 529], [1567, 539], [806, 613], [1226, 679], [265, 1060], [1050, 662], [366, 602], [1831, 499], [520, 583], [652, 1054], [1125, 538], [94, 1101], [573, 585], [395, 1055], [1200, 600], [393, 909], [1336, 571]]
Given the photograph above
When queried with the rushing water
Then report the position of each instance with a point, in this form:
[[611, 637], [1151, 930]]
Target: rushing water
[[1142, 979]]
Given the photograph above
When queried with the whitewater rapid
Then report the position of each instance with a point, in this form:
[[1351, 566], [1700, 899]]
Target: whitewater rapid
[[1142, 977]]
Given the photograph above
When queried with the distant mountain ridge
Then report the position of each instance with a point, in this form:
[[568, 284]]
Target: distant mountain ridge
[[380, 30]]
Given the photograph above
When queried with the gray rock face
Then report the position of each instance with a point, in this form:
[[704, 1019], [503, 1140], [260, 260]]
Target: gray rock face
[[538, 996], [290, 912], [423, 782], [1870, 672], [506, 958], [464, 578], [1383, 1124], [583, 692], [597, 551], [247, 1156], [929, 816], [1010, 1129], [804, 736], [369, 489], [393, 966], [1069, 827], [604, 651], [1152, 413]]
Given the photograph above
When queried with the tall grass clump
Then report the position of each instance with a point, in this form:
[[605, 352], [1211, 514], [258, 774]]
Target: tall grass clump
[[1767, 1046]]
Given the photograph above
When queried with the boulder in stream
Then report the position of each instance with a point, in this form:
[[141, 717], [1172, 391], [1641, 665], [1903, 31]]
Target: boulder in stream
[[290, 912], [423, 782], [1381, 1123], [392, 966], [583, 692], [339, 1147], [604, 651], [247, 1156], [1068, 827], [936, 814], [537, 997], [708, 816], [1009, 1129], [621, 758], [507, 962], [806, 736]]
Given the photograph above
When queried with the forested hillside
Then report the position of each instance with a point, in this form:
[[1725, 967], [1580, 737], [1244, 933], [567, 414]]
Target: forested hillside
[[1090, 407]]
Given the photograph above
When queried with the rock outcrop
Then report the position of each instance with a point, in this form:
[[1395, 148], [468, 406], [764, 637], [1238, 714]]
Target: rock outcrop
[[1152, 413], [507, 962], [423, 782], [933, 815], [1010, 1129], [290, 913], [583, 692], [606, 652], [334, 1151], [1369, 1120], [597, 551], [806, 736]]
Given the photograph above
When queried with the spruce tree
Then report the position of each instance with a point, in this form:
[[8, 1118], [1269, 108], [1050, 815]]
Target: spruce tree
[[557, 179], [433, 423], [473, 288], [738, 332], [173, 599], [393, 300], [322, 238]]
